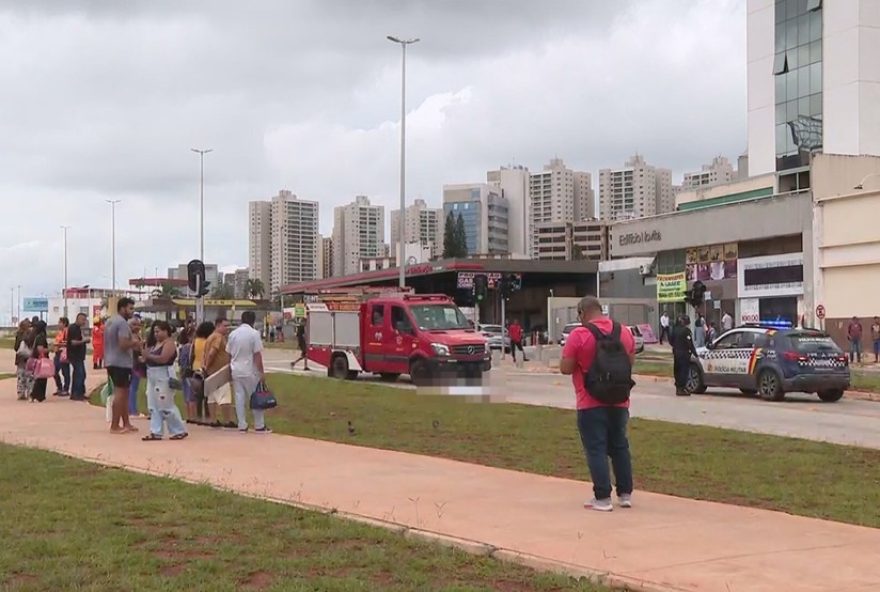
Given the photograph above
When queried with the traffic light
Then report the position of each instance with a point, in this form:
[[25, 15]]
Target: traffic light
[[205, 289], [508, 284], [195, 275], [481, 287]]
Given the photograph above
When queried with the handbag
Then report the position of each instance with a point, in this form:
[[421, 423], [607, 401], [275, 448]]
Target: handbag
[[262, 398], [30, 366], [44, 369]]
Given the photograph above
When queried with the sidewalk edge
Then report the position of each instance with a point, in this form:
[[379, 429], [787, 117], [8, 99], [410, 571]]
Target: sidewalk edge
[[535, 562]]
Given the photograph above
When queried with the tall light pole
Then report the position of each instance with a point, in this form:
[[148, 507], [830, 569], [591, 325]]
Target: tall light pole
[[401, 250], [12, 307], [64, 229], [202, 154], [113, 203], [18, 303]]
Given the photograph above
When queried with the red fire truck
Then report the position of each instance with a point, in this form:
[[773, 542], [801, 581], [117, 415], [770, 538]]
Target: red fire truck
[[391, 333]]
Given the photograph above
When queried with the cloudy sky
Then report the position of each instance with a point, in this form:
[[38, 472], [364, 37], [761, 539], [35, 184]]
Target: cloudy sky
[[103, 100]]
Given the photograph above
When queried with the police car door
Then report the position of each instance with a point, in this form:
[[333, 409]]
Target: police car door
[[727, 363]]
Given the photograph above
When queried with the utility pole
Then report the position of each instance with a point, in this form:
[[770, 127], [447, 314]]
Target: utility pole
[[113, 203], [202, 153], [401, 250], [64, 230]]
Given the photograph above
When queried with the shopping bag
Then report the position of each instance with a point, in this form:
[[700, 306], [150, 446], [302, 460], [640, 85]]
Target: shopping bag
[[262, 398], [45, 368], [107, 391]]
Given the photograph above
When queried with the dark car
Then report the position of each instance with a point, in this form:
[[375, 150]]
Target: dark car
[[771, 362]]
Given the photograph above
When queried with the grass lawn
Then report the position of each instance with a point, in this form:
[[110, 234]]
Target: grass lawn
[[797, 476], [72, 525]]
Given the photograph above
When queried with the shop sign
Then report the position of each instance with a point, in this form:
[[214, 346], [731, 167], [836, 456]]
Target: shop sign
[[749, 310], [671, 287], [713, 262], [773, 275], [39, 304], [465, 280], [638, 238]]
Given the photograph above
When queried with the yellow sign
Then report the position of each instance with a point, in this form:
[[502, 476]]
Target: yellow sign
[[671, 287]]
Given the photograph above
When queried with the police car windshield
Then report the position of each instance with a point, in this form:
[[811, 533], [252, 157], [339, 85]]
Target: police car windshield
[[439, 317], [814, 343]]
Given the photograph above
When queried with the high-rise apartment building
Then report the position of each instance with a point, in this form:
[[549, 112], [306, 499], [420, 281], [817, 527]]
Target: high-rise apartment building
[[720, 171], [513, 181], [635, 191], [813, 81], [283, 241], [485, 214], [327, 256], [358, 231], [422, 225], [559, 194]]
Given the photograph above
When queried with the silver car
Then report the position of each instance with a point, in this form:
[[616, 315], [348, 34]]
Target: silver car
[[496, 337], [566, 330]]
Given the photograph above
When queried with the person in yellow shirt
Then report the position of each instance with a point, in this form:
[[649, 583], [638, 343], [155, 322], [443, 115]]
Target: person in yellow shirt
[[196, 407]]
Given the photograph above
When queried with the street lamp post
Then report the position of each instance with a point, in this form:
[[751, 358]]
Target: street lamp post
[[113, 203], [202, 154], [64, 230], [401, 251]]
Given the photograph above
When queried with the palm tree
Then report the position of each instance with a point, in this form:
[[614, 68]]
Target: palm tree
[[255, 288], [166, 291]]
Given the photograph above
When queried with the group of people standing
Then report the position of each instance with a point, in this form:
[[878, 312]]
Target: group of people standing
[[200, 353], [67, 353]]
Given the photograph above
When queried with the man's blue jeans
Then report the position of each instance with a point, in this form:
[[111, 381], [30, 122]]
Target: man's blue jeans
[[133, 387], [855, 350], [603, 435], [62, 375], [78, 384]]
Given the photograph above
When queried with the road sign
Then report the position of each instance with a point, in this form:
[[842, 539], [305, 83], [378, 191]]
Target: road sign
[[38, 304], [820, 312]]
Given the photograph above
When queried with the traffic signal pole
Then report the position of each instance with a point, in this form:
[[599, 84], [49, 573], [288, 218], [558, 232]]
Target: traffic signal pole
[[503, 324], [200, 302]]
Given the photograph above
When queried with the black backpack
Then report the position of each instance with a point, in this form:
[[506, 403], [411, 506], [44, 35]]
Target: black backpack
[[609, 379]]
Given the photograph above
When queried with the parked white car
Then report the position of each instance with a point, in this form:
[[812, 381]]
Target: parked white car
[[496, 337]]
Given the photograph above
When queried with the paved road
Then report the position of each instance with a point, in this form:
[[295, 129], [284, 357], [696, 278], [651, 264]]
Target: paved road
[[803, 416]]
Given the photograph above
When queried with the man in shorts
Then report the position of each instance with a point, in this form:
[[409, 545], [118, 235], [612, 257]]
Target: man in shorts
[[119, 350], [217, 360]]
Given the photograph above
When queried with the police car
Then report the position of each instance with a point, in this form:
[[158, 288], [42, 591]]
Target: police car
[[770, 362]]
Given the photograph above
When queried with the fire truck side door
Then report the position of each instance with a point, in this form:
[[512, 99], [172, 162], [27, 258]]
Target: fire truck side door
[[379, 338]]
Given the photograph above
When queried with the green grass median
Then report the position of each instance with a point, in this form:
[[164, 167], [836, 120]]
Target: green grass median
[[816, 479], [72, 525]]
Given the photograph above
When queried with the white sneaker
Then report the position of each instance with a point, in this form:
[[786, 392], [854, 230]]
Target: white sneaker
[[625, 500], [602, 505]]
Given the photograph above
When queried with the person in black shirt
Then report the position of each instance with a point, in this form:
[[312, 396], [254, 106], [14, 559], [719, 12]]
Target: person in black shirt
[[682, 350], [302, 345], [76, 356]]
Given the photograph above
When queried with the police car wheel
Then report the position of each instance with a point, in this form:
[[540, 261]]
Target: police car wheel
[[769, 386], [695, 381], [831, 395]]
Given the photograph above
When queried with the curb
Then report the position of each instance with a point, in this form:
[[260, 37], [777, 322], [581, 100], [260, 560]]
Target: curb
[[477, 548]]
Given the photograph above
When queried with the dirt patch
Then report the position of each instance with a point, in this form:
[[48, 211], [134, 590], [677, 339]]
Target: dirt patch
[[173, 570], [259, 580], [20, 579]]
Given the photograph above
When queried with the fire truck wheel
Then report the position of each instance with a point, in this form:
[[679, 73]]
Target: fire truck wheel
[[339, 367], [419, 373]]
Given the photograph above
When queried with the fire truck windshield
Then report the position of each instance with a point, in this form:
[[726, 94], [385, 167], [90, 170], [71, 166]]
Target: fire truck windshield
[[439, 317]]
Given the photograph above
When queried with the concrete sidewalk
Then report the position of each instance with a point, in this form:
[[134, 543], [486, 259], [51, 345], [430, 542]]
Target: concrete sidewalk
[[664, 543]]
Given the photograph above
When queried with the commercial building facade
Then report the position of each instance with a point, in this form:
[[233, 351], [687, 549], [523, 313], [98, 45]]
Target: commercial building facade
[[813, 81], [513, 181], [485, 214], [358, 231], [568, 241]]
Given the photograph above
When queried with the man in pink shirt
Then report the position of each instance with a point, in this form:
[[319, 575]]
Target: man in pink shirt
[[602, 425]]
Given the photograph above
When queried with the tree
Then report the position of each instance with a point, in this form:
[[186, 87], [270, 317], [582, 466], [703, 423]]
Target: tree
[[449, 237], [460, 238], [166, 291], [255, 288]]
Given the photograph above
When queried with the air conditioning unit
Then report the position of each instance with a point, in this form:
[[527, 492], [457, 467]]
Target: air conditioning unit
[[646, 269]]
